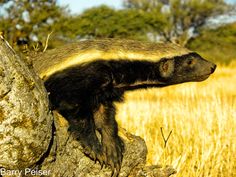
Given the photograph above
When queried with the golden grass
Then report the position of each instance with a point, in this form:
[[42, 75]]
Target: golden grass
[[202, 116]]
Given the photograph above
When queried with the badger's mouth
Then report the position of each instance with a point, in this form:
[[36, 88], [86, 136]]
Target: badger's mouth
[[202, 77]]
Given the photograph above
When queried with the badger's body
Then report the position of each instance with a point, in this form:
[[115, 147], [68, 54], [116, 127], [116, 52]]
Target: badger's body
[[84, 79], [107, 49]]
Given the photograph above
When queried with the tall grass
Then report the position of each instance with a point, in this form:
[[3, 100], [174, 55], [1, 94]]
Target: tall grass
[[202, 117]]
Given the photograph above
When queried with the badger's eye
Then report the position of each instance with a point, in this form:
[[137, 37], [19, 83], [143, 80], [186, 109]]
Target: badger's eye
[[191, 62]]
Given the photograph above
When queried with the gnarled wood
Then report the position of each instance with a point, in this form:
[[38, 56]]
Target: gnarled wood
[[25, 119]]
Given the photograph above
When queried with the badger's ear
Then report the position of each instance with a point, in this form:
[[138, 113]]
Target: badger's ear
[[166, 67]]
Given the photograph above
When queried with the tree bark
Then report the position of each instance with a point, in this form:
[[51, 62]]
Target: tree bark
[[32, 137], [25, 120]]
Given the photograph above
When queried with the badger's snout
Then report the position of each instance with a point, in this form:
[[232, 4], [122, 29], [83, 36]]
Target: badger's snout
[[213, 68]]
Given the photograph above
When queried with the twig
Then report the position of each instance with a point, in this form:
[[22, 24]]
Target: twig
[[36, 47], [46, 44], [163, 137]]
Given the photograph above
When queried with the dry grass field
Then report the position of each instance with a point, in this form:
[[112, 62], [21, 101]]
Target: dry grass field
[[202, 118]]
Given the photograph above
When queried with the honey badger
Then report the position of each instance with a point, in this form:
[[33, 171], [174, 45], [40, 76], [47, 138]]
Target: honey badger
[[84, 79]]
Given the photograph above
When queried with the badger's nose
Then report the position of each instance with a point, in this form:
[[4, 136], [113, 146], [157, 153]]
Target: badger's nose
[[213, 68]]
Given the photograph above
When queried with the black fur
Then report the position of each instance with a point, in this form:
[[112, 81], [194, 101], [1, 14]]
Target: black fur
[[84, 95]]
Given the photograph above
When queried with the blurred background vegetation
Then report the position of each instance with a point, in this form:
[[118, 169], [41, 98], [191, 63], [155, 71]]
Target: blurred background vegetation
[[27, 23]]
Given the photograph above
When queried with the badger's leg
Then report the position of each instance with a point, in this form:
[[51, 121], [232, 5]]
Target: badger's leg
[[83, 129], [112, 145]]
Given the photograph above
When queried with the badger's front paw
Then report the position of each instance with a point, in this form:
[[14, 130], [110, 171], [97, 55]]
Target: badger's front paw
[[90, 143], [93, 149], [113, 149]]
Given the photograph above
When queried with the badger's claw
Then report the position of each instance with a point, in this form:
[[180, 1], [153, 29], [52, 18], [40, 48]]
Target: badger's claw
[[113, 151]]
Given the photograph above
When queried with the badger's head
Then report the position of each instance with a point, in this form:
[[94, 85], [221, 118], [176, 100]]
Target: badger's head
[[185, 68]]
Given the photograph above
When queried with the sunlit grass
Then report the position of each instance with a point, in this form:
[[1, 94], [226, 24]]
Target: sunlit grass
[[202, 117]]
